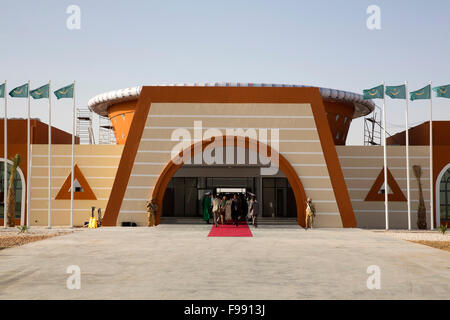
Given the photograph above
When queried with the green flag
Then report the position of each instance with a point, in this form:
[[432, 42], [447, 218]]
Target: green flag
[[374, 93], [41, 92], [20, 92], [424, 93], [66, 92], [2, 90], [442, 91], [396, 92]]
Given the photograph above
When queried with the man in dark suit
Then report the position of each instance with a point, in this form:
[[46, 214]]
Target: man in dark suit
[[235, 210]]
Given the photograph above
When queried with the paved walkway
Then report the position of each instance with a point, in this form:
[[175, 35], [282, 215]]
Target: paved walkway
[[181, 262]]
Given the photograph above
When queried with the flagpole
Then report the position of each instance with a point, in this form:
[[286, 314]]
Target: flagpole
[[5, 163], [49, 156], [431, 159], [73, 144], [407, 158], [386, 189], [28, 158]]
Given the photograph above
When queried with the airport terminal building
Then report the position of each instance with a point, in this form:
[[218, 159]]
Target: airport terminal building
[[247, 130]]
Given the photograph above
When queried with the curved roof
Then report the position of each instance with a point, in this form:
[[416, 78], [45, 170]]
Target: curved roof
[[100, 103]]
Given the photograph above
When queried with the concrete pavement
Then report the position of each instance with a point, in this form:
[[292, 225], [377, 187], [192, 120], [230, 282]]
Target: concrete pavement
[[181, 262]]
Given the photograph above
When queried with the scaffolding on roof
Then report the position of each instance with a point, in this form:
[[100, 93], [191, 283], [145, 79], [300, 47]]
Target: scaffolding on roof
[[105, 131], [84, 126], [373, 129]]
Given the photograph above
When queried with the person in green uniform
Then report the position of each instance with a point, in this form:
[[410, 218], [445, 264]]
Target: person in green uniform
[[207, 207]]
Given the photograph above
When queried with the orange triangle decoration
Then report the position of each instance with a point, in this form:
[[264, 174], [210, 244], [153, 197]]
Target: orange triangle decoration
[[86, 192], [375, 195]]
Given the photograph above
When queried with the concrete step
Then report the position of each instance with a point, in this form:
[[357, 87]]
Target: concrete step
[[195, 220], [277, 221], [182, 220]]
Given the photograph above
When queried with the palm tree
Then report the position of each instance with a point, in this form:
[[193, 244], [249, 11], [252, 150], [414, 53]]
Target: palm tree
[[11, 200], [421, 211]]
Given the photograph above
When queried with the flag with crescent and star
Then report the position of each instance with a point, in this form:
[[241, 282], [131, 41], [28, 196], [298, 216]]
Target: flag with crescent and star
[[374, 93], [396, 92], [424, 93], [442, 91], [41, 92], [65, 92], [20, 92]]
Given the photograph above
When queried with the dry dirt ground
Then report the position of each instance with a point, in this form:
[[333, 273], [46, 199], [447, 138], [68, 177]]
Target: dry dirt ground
[[443, 245], [431, 238], [11, 237]]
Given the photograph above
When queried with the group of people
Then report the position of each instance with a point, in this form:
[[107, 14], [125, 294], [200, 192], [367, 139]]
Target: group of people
[[222, 208], [225, 209]]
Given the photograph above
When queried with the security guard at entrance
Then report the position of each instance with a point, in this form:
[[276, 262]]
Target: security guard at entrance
[[152, 209]]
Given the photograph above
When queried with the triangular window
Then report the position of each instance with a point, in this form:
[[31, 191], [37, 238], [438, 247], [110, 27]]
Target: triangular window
[[82, 190], [376, 193]]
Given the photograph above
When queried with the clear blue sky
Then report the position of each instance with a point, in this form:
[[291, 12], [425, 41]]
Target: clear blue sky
[[129, 43]]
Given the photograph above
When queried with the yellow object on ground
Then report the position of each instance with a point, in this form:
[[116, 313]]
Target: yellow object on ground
[[93, 223]]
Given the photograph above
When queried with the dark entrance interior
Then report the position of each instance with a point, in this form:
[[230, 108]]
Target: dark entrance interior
[[184, 195], [278, 198]]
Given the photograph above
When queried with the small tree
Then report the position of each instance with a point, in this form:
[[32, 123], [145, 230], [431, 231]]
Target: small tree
[[11, 200], [421, 211]]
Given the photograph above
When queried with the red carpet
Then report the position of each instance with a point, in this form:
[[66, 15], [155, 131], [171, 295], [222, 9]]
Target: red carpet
[[229, 230]]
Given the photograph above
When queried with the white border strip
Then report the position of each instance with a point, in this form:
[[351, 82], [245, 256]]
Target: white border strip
[[372, 179], [140, 187], [368, 189], [45, 199], [170, 151], [150, 163], [225, 116], [328, 213], [307, 165], [281, 141], [78, 156], [132, 211], [65, 177], [381, 157], [381, 211], [324, 201], [378, 168], [224, 128], [81, 167], [58, 188], [144, 175], [66, 209], [301, 152], [313, 177], [363, 200]]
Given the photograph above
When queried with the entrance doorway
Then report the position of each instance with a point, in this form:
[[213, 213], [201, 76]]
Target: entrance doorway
[[166, 194], [184, 196]]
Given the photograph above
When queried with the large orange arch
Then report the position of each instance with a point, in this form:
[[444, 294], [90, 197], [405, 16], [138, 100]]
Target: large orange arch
[[278, 95], [283, 164]]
